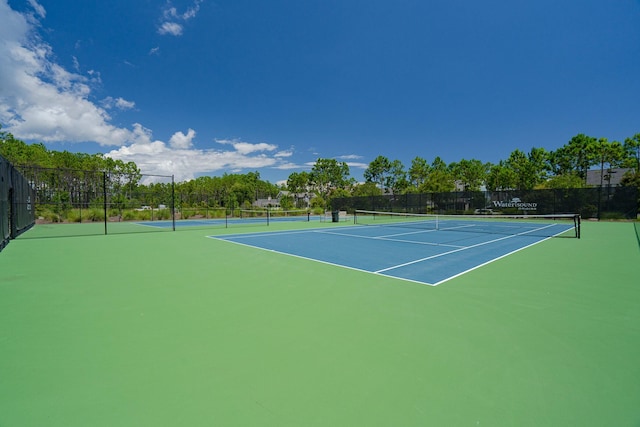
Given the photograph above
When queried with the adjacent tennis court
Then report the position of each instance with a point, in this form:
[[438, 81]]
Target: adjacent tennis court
[[240, 217], [428, 249]]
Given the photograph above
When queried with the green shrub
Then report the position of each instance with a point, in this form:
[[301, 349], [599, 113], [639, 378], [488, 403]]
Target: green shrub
[[611, 215], [163, 214], [129, 215], [73, 215], [95, 215], [51, 217], [143, 215], [589, 211], [217, 213]]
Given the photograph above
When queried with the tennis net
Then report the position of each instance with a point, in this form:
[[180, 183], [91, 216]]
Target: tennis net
[[559, 225], [264, 215]]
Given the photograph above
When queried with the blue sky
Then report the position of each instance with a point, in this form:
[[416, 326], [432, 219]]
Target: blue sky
[[204, 87]]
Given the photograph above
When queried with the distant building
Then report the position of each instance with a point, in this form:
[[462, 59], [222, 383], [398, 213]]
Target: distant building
[[267, 203], [608, 177], [275, 202]]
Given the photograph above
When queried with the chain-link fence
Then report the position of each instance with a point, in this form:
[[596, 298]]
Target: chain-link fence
[[16, 203], [597, 202], [82, 202], [67, 202]]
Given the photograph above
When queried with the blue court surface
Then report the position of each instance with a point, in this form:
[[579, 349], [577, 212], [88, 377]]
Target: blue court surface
[[425, 256], [184, 223]]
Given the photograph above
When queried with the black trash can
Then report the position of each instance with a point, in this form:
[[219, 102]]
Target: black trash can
[[335, 216]]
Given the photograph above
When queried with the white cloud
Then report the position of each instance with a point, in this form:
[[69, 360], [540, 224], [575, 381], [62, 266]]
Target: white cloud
[[185, 162], [350, 157], [119, 103], [171, 28], [357, 165], [171, 19], [180, 140], [40, 11], [350, 164], [95, 76], [41, 101], [170, 13], [247, 148], [284, 153], [289, 166], [123, 104], [192, 11], [155, 51]]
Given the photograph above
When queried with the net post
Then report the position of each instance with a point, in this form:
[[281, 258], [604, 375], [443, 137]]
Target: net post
[[268, 215], [173, 202]]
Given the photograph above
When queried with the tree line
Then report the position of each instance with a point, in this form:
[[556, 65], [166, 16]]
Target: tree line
[[565, 167], [70, 179]]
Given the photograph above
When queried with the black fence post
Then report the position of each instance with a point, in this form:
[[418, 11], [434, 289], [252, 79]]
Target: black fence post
[[173, 202], [104, 195]]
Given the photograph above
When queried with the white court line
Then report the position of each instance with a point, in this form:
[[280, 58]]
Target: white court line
[[442, 254], [456, 250], [382, 272], [321, 261], [324, 231], [489, 262], [385, 238], [411, 232], [500, 257], [270, 233], [457, 227]]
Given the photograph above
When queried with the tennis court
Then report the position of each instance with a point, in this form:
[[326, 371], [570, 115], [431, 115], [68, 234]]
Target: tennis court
[[214, 222], [244, 217], [427, 249], [165, 329]]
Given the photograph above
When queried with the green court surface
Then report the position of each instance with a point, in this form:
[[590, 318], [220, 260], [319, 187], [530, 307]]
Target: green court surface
[[176, 329]]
